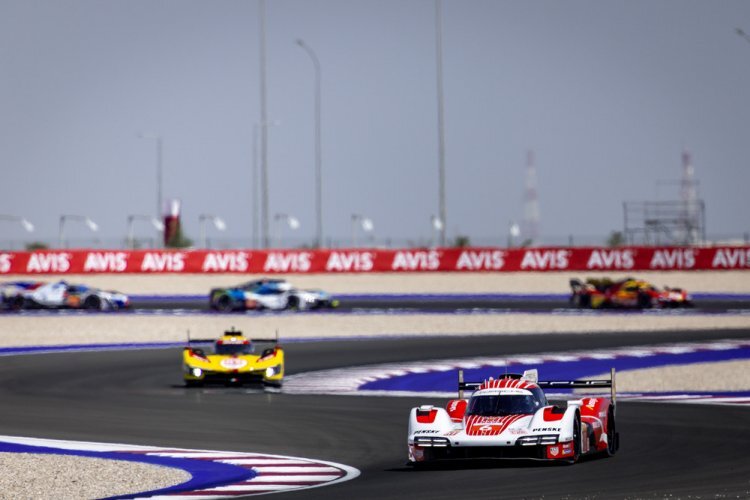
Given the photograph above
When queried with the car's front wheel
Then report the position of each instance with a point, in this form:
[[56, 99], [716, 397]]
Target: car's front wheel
[[577, 443], [92, 303]]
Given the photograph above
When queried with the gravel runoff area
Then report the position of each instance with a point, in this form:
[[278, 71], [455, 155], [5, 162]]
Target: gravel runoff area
[[52, 329], [67, 477], [721, 376], [479, 282], [27, 476]]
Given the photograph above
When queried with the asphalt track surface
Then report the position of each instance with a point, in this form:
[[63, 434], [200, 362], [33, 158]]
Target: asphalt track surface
[[444, 303], [137, 397]]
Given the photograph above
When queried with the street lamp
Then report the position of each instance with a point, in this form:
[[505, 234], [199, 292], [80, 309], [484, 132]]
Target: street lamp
[[93, 226], [290, 221], [159, 165], [158, 225], [441, 119], [264, 124], [218, 224], [742, 33], [318, 160], [437, 224], [360, 221], [28, 226], [514, 231], [257, 188]]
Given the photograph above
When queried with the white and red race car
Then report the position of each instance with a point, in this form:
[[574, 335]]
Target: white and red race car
[[510, 417]]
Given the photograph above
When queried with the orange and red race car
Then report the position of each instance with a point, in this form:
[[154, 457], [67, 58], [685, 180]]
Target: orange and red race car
[[628, 293]]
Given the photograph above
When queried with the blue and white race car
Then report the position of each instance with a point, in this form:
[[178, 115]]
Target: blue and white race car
[[17, 295], [275, 294]]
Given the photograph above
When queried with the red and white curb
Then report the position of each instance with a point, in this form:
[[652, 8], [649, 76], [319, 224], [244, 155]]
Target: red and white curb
[[273, 473]]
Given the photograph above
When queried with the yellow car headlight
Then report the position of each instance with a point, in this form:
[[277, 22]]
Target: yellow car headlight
[[272, 371]]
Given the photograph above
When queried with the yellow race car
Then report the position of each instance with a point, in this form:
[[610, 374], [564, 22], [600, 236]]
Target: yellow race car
[[234, 361]]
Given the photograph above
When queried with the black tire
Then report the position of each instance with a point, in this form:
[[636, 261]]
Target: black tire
[[293, 303], [644, 301], [17, 303], [584, 301], [224, 304], [92, 303], [577, 444], [193, 383], [613, 439]]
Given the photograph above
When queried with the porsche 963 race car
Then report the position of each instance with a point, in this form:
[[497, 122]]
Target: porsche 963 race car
[[510, 417], [234, 360], [627, 293], [268, 293]]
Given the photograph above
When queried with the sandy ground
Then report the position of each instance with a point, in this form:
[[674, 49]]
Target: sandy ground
[[115, 328], [551, 282], [66, 477], [720, 376]]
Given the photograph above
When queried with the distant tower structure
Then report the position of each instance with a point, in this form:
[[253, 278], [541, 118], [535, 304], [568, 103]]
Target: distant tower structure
[[690, 201], [530, 225], [668, 222]]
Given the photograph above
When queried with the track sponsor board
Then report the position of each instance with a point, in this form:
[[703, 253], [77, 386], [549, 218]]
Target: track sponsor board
[[585, 259]]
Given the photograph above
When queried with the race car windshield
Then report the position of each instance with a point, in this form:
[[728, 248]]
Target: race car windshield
[[501, 405], [234, 349]]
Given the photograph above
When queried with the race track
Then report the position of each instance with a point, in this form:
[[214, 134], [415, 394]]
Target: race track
[[706, 303], [137, 397]]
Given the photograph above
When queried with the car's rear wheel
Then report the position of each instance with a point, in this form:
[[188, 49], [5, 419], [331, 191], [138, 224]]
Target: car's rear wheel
[[92, 302], [612, 436], [224, 304], [644, 301]]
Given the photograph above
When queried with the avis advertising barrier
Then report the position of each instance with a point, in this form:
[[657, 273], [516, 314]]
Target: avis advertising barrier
[[376, 260]]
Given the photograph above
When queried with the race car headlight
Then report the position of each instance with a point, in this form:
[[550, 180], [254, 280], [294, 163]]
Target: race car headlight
[[543, 439], [272, 371], [196, 372]]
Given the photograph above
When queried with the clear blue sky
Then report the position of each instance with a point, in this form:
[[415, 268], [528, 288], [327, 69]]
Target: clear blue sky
[[606, 93]]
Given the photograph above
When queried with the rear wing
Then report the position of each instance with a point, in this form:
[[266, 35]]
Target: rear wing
[[211, 341], [530, 375]]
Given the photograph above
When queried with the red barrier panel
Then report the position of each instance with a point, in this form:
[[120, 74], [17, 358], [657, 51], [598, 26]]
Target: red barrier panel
[[375, 260]]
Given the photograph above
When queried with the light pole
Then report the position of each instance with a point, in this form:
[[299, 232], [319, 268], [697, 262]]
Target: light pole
[[159, 167], [290, 220], [514, 231], [263, 125], [441, 126], [93, 226], [360, 221], [318, 155], [437, 224], [28, 226], [158, 225], [218, 224], [742, 33], [256, 190]]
